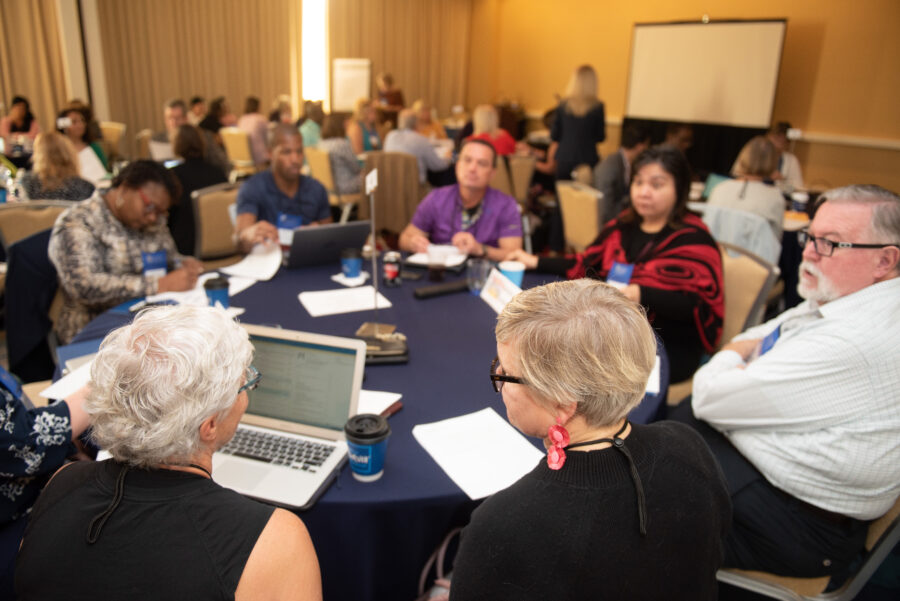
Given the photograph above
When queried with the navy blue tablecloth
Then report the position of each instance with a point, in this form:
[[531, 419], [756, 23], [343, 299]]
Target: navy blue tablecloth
[[372, 539]]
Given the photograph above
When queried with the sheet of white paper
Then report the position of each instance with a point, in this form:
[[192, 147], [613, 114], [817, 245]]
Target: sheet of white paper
[[653, 380], [261, 264], [451, 255], [69, 384], [500, 456], [343, 280], [498, 290], [376, 401], [348, 300]]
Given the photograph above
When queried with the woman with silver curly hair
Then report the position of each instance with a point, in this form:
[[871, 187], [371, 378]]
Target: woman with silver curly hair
[[150, 523]]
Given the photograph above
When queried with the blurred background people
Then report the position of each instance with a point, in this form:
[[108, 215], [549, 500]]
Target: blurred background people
[[193, 173], [426, 124], [789, 174], [580, 124], [73, 122], [198, 110], [612, 176], [255, 124], [55, 175], [361, 128], [345, 167], [486, 126], [390, 99], [19, 120], [311, 127]]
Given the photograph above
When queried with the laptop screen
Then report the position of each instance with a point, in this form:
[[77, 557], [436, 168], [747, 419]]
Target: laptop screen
[[304, 383]]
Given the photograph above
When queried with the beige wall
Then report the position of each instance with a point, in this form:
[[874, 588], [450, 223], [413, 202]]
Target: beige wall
[[840, 73]]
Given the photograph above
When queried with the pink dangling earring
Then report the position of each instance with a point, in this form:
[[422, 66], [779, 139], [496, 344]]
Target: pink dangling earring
[[559, 438]]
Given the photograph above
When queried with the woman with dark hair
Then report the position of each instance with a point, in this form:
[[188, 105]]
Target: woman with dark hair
[[662, 256], [55, 173], [344, 165], [116, 246], [194, 173], [73, 122], [20, 120]]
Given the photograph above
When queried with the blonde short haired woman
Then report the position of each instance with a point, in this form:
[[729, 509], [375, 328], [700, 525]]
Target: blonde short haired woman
[[55, 174], [614, 501], [486, 126]]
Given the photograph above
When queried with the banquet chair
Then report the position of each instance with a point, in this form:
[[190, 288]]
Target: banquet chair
[[500, 180], [884, 534], [521, 170], [215, 245], [581, 209], [320, 168], [20, 220], [398, 193], [747, 280], [237, 147], [143, 143], [32, 302], [113, 132]]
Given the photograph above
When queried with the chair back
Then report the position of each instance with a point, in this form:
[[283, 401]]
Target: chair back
[[500, 180], [883, 536], [237, 145], [20, 220], [521, 170], [741, 228], [112, 134], [747, 281], [31, 288], [320, 167], [580, 208], [143, 143], [398, 192], [212, 221]]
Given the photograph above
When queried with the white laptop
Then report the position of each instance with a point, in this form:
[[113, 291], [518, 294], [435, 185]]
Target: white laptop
[[310, 386]]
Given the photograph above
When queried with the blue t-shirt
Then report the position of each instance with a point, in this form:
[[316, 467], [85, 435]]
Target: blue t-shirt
[[260, 196]]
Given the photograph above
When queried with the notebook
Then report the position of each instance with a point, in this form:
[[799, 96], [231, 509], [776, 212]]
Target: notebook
[[322, 244], [310, 386]]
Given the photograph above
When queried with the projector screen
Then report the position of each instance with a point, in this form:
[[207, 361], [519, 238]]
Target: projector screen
[[720, 73]]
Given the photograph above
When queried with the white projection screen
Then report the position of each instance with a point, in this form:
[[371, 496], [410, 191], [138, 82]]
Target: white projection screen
[[722, 73]]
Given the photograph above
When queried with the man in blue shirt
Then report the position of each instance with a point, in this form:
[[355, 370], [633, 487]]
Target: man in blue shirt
[[281, 196]]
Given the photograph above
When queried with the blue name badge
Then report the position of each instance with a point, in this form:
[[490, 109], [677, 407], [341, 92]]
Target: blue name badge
[[620, 275], [154, 264], [769, 341], [10, 383], [286, 225]]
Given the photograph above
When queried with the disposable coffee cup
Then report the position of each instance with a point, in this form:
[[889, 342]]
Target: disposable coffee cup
[[367, 437], [351, 262], [217, 291], [513, 270], [799, 201]]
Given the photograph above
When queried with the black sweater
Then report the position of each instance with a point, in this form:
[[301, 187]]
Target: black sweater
[[573, 534]]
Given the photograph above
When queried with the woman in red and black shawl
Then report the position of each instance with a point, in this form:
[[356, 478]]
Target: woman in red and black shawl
[[677, 268]]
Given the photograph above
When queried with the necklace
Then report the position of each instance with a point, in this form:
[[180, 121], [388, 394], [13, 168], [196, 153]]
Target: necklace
[[201, 468]]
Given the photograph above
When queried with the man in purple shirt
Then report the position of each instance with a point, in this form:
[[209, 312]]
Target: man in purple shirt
[[478, 220]]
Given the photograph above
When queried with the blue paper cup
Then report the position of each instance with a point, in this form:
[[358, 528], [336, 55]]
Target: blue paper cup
[[217, 291], [513, 270], [351, 262], [367, 437]]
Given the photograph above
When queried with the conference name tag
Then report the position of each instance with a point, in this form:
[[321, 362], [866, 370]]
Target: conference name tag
[[620, 275], [154, 264], [287, 223], [769, 341]]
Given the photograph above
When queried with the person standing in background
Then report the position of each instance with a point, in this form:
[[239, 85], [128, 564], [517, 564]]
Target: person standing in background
[[580, 124]]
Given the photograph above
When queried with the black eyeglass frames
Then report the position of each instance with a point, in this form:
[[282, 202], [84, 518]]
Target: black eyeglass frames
[[825, 247], [497, 380]]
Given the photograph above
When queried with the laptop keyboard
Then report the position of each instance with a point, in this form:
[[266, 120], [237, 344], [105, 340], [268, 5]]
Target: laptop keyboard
[[278, 450]]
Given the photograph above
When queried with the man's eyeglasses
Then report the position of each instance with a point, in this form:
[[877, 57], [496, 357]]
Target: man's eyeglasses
[[253, 378], [825, 247], [497, 380]]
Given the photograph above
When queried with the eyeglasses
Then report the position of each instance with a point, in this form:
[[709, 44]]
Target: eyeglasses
[[149, 206], [825, 247], [253, 378], [497, 380]]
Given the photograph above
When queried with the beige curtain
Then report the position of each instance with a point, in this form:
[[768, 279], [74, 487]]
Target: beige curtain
[[423, 44], [155, 50], [31, 63]]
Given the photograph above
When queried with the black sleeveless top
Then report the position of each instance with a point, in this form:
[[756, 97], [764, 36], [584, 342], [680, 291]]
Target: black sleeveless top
[[174, 535]]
